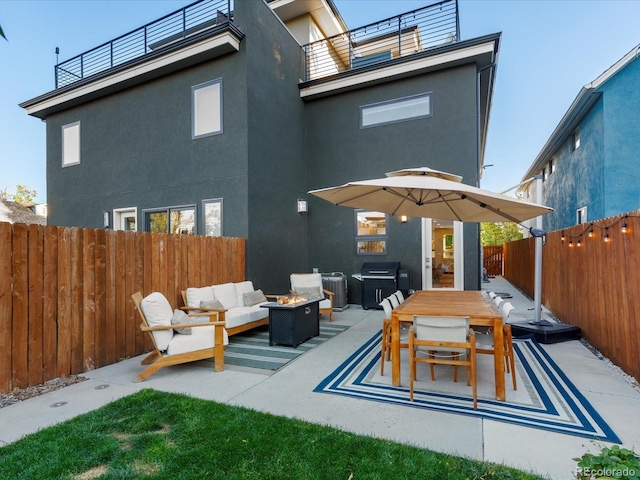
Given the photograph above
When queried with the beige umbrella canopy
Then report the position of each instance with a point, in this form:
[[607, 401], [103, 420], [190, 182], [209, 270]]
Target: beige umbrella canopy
[[423, 192]]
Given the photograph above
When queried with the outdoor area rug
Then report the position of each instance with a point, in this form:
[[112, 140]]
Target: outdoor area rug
[[545, 397], [252, 349]]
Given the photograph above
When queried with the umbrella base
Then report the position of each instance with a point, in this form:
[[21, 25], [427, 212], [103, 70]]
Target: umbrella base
[[543, 333]]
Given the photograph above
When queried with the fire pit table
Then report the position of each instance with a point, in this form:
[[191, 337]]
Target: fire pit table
[[293, 323]]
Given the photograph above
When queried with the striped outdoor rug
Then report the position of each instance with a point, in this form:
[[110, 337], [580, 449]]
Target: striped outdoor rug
[[545, 397], [252, 349]]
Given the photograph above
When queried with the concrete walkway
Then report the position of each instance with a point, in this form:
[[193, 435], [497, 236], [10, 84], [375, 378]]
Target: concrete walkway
[[289, 392]]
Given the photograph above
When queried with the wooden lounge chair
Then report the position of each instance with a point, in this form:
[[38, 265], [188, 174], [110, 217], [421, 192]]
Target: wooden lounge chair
[[207, 338]]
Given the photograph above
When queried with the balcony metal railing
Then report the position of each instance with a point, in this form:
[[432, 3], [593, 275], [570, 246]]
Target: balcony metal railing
[[173, 27], [431, 26]]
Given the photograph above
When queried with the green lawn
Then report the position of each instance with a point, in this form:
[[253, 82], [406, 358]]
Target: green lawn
[[168, 436]]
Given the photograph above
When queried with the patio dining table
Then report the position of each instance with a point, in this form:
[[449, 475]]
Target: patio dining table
[[473, 304]]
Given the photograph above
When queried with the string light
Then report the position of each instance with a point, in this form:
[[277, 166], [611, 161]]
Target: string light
[[588, 229]]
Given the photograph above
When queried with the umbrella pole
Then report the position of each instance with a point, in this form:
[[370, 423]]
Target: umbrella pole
[[537, 288]]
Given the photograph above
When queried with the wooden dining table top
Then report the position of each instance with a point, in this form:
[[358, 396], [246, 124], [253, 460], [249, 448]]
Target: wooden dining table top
[[465, 303]]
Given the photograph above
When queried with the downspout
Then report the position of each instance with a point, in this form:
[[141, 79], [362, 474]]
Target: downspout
[[478, 166]]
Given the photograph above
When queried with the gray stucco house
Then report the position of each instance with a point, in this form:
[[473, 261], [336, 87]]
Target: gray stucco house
[[589, 164], [219, 118]]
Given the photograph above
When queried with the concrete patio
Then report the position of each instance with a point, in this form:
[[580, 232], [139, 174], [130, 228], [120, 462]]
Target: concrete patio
[[289, 392]]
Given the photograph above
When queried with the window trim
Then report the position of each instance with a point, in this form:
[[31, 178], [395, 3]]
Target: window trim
[[168, 210], [63, 130], [579, 212], [371, 238], [119, 214], [194, 88], [363, 108], [575, 140], [207, 201]]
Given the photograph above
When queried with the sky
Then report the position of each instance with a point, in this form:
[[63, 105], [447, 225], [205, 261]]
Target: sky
[[549, 50]]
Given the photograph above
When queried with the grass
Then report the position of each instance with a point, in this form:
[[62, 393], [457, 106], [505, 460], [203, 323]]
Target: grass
[[168, 436]]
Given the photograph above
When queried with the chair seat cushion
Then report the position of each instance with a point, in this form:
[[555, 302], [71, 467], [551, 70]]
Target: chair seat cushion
[[200, 338], [326, 303]]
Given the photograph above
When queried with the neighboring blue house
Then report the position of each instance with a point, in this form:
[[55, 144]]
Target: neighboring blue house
[[218, 119], [589, 165]]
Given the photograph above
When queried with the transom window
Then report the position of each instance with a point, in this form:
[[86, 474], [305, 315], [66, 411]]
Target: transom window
[[206, 100], [398, 110], [176, 220], [371, 233]]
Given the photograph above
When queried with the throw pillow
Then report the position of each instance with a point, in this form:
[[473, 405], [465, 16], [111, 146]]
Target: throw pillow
[[310, 292], [253, 298], [181, 318], [212, 304]]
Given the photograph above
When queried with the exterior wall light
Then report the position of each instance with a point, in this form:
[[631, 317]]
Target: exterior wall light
[[105, 219], [302, 206]]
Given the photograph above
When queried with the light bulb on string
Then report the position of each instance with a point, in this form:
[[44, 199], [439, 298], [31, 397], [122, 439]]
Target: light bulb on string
[[579, 244], [624, 227], [590, 232], [606, 235]]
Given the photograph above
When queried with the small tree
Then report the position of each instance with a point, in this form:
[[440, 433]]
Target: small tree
[[497, 233], [24, 195]]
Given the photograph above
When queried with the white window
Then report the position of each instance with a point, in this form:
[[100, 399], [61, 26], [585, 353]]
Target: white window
[[398, 110], [212, 217], [371, 233], [125, 219], [575, 140], [71, 144], [206, 106], [176, 220], [581, 215]]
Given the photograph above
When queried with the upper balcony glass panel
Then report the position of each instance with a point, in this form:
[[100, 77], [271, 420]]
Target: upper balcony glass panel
[[395, 37], [181, 24]]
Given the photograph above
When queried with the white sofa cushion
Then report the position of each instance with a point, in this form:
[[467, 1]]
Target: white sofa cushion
[[226, 293], [242, 288], [238, 316], [158, 312], [197, 295], [200, 338]]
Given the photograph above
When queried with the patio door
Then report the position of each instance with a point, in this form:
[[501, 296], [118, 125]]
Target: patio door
[[442, 256]]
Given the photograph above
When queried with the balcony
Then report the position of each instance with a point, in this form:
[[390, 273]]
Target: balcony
[[400, 36], [195, 19]]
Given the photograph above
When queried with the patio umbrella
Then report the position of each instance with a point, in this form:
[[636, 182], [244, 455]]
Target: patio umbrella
[[428, 193]]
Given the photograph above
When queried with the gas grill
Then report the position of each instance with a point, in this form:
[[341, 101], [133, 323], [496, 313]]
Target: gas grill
[[379, 280]]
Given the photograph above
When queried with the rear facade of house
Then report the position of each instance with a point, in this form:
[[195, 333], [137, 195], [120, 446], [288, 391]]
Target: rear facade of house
[[224, 127]]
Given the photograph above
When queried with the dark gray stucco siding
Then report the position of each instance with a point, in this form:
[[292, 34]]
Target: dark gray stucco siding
[[137, 151], [339, 151], [276, 242]]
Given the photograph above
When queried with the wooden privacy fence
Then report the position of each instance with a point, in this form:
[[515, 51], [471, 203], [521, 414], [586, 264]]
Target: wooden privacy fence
[[594, 285], [492, 259], [65, 293]]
